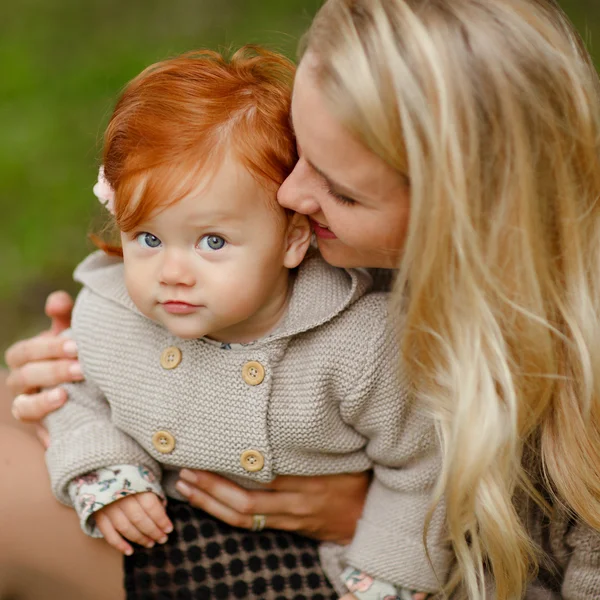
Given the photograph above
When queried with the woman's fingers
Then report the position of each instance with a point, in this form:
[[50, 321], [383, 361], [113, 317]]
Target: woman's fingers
[[242, 501], [40, 348], [324, 507], [235, 506], [59, 306], [206, 502], [31, 408], [199, 499], [43, 374]]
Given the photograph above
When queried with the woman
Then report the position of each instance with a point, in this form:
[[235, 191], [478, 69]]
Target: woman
[[483, 119]]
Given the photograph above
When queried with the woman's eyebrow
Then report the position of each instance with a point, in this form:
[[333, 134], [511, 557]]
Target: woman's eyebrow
[[336, 187]]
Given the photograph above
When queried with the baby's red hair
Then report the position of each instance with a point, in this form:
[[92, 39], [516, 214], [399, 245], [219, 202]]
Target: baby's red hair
[[182, 114]]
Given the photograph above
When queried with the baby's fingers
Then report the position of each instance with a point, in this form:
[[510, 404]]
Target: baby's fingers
[[138, 516], [154, 508], [111, 536], [127, 528]]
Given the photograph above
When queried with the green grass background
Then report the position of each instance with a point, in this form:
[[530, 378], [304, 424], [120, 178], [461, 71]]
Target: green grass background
[[62, 64]]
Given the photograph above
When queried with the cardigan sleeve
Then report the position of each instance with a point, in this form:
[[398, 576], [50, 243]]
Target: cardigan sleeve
[[402, 444], [83, 439], [582, 573], [101, 487]]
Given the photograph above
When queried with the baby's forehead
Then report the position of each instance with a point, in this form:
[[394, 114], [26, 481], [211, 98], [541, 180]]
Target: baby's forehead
[[206, 210]]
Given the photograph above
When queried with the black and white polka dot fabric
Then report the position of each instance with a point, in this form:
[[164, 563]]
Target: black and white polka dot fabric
[[207, 559]]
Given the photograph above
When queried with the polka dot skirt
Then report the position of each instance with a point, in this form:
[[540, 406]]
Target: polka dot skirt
[[205, 559]]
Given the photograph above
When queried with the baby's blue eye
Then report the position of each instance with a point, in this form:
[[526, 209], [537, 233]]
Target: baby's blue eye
[[211, 242], [147, 240]]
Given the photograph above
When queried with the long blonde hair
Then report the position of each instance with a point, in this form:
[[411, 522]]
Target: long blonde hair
[[491, 109]]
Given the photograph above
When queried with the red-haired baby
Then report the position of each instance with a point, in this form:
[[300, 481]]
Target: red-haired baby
[[209, 341]]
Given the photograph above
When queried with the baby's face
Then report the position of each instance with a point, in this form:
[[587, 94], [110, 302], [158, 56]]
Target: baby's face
[[213, 263]]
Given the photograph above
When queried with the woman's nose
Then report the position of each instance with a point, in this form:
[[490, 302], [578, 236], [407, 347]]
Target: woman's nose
[[297, 191]]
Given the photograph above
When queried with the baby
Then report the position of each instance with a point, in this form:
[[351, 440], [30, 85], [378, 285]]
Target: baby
[[209, 341]]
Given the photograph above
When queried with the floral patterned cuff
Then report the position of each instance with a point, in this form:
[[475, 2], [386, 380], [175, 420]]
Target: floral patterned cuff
[[364, 587], [96, 489]]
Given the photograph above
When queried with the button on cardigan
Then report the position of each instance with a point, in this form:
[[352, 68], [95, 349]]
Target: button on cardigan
[[323, 394]]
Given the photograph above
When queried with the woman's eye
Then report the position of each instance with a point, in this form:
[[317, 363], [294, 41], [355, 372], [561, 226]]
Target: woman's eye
[[344, 200], [147, 240], [211, 242], [339, 197]]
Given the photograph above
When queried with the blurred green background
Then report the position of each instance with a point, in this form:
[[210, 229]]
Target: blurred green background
[[62, 65]]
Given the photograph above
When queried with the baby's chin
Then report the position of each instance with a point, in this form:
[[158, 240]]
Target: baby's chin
[[187, 333], [182, 328]]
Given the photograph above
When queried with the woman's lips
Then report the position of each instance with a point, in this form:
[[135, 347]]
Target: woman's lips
[[179, 308], [322, 232]]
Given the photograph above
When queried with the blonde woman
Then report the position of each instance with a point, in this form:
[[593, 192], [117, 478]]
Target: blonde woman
[[459, 142]]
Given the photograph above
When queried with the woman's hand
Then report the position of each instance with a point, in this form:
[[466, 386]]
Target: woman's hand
[[324, 507], [43, 361]]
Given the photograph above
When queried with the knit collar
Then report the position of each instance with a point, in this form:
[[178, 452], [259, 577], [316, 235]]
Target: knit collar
[[320, 292]]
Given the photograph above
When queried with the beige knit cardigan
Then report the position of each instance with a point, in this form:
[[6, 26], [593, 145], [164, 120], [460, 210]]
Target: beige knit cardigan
[[331, 401]]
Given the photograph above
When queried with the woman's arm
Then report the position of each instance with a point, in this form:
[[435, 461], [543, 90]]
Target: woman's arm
[[323, 507], [43, 361]]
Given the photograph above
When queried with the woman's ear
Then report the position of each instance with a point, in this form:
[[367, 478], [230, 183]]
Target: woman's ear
[[297, 240]]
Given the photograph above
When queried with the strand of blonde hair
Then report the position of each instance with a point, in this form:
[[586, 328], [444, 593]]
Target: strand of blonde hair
[[491, 111]]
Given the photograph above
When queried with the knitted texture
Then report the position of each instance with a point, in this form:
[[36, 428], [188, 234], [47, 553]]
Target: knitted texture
[[332, 401], [570, 565]]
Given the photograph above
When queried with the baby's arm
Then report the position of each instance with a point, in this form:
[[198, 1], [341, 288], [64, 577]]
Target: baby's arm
[[83, 441], [402, 444]]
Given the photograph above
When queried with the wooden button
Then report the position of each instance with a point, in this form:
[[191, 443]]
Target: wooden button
[[253, 373], [170, 357], [164, 442], [252, 460]]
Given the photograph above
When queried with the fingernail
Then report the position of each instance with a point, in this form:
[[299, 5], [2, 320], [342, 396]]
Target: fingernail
[[15, 410], [70, 347], [169, 528], [188, 475], [183, 488], [163, 540], [129, 552], [75, 371], [55, 398], [150, 545]]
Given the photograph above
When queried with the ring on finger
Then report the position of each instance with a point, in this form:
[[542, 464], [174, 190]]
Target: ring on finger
[[258, 522]]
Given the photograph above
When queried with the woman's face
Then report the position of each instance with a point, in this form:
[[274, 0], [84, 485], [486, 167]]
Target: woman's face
[[357, 203]]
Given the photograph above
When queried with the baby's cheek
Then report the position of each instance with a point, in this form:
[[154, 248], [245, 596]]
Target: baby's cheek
[[138, 292], [241, 298]]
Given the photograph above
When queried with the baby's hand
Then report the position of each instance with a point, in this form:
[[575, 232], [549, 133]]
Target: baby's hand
[[141, 518]]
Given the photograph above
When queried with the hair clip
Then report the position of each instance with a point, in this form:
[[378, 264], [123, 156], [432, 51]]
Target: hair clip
[[104, 192]]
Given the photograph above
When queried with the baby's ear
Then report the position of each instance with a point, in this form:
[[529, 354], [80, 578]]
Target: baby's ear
[[297, 240]]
